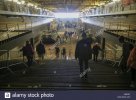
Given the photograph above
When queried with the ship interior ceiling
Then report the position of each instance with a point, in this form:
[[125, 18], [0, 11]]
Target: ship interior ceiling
[[61, 24]]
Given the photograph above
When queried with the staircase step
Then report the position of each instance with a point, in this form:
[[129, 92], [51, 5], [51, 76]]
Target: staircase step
[[59, 74]]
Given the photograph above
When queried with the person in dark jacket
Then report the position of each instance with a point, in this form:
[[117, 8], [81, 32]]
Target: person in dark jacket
[[96, 49], [29, 52], [83, 53], [63, 53], [23, 52], [40, 49], [126, 48], [57, 52]]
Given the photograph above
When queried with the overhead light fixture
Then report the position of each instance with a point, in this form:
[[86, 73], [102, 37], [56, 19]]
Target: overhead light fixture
[[30, 4], [67, 15], [15, 0], [103, 3], [35, 6], [22, 2], [115, 0], [9, 0]]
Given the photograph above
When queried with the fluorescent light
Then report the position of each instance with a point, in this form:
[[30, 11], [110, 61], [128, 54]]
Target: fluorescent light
[[15, 0], [115, 0], [67, 15], [103, 3], [19, 3], [23, 2], [9, 0], [30, 4], [35, 6]]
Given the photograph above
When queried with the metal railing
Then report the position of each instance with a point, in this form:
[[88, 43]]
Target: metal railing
[[11, 62], [9, 57], [9, 30], [112, 55], [14, 37]]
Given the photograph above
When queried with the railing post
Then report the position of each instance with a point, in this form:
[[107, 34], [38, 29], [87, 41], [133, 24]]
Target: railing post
[[103, 48], [117, 28], [115, 54], [31, 24], [25, 26], [128, 31], [7, 35], [109, 25], [7, 27], [8, 55], [18, 28], [7, 31]]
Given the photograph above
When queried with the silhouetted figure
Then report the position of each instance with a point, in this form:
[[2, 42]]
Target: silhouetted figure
[[29, 52], [126, 48], [83, 53], [63, 53], [66, 35], [70, 54], [23, 52], [131, 62], [57, 51], [96, 49], [40, 49]]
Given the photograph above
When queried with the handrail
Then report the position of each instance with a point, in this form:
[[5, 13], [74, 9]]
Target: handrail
[[121, 13], [115, 55], [6, 55], [7, 61], [120, 24], [110, 9], [127, 38], [12, 71], [14, 37]]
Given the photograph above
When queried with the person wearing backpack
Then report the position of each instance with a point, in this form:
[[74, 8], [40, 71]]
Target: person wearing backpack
[[83, 53], [40, 49]]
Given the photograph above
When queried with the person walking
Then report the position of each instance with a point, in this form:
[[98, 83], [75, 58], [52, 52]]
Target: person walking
[[40, 49], [29, 52], [57, 52], [83, 54], [96, 49], [63, 53], [70, 54]]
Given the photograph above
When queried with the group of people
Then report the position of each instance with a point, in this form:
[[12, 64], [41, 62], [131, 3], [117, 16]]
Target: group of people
[[84, 52], [62, 51], [28, 52]]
